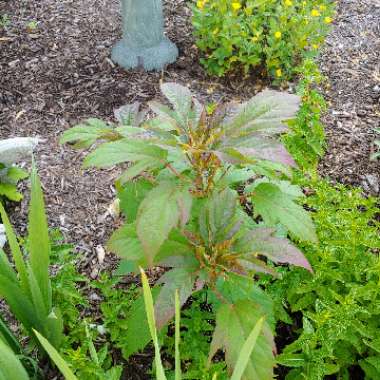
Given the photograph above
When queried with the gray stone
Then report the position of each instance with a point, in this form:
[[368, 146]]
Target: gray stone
[[144, 43]]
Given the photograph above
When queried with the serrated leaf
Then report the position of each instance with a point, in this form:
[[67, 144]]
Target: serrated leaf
[[158, 214], [129, 114], [277, 207], [131, 195], [125, 243], [86, 134], [234, 323], [261, 241], [112, 153], [181, 99], [266, 112], [181, 279], [136, 169]]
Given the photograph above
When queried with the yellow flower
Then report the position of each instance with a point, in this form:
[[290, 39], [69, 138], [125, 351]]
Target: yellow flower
[[328, 20], [236, 6], [315, 46], [315, 13], [288, 3], [278, 73], [201, 4], [278, 35], [322, 7], [255, 39]]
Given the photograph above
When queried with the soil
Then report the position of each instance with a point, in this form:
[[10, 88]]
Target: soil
[[59, 73]]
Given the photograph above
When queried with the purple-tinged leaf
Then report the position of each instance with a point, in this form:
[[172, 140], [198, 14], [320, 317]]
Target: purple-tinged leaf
[[276, 153], [181, 279], [234, 322], [262, 242]]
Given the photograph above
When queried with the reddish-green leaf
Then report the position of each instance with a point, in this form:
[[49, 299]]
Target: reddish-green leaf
[[234, 323], [158, 214], [261, 241], [181, 279]]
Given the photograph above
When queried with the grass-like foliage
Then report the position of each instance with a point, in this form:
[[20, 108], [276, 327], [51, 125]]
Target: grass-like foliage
[[27, 288], [272, 36], [184, 211]]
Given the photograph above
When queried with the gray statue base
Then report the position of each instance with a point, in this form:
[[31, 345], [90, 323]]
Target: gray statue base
[[151, 58]]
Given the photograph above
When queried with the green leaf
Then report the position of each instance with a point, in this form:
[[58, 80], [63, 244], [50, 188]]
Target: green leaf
[[136, 169], [217, 217], [149, 308], [158, 214], [39, 241], [86, 134], [10, 365], [9, 191], [9, 338], [125, 243], [16, 253], [15, 174], [112, 153], [246, 350], [277, 207], [131, 195], [234, 324], [181, 279], [181, 99], [56, 357]]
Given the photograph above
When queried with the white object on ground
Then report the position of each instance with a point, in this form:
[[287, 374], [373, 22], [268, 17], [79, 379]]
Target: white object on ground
[[16, 149]]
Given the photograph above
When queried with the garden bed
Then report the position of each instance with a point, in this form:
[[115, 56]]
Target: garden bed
[[60, 73]]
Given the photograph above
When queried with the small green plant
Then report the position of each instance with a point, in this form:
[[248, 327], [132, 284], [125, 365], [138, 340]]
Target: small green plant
[[377, 143], [272, 35], [32, 26], [306, 139], [184, 211], [4, 21], [339, 305], [27, 290], [10, 365]]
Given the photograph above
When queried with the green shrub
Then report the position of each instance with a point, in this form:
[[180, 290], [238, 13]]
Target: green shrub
[[184, 211], [340, 303], [273, 35]]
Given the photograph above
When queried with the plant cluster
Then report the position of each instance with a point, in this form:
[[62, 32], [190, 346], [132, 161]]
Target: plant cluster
[[273, 35], [339, 304], [184, 210]]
